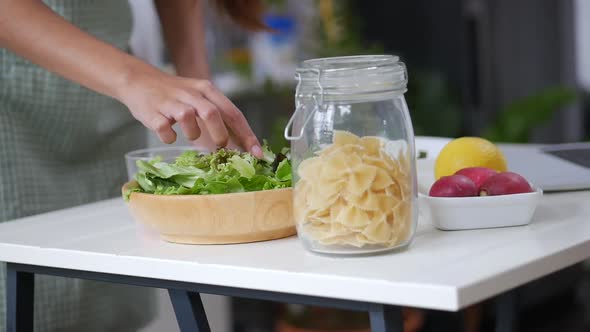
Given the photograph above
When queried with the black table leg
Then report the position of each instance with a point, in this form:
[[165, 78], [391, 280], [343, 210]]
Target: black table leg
[[506, 312], [20, 290], [189, 311], [386, 318]]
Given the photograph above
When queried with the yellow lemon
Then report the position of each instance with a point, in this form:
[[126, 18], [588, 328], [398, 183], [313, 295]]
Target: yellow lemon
[[468, 152]]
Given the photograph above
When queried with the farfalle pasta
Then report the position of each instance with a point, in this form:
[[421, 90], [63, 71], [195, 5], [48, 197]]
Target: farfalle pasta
[[355, 192]]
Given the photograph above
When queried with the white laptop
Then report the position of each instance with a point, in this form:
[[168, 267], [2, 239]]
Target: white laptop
[[556, 167]]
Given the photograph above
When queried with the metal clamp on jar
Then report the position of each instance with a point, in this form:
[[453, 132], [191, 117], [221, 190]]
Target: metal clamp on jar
[[352, 148]]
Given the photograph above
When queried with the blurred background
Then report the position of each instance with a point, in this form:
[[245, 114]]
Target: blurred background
[[507, 70]]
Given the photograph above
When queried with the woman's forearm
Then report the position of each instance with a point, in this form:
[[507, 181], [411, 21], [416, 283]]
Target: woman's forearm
[[184, 33], [33, 31], [183, 29]]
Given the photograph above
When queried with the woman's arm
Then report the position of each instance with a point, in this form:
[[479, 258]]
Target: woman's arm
[[158, 100], [184, 34], [183, 27], [34, 31]]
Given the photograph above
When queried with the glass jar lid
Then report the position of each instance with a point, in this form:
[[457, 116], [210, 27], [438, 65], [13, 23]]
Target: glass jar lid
[[363, 75]]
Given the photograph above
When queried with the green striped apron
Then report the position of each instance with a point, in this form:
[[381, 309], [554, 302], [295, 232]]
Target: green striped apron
[[62, 145]]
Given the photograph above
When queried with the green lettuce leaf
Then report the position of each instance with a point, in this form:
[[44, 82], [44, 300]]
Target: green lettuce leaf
[[224, 171], [284, 170], [144, 182], [268, 155], [243, 166], [128, 192]]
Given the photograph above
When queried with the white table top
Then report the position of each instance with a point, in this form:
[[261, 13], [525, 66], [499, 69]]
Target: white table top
[[441, 270]]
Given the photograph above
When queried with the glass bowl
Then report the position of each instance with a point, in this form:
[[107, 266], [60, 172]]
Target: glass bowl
[[167, 153]]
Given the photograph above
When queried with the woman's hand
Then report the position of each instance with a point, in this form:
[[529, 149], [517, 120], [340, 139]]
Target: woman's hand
[[31, 29], [159, 100]]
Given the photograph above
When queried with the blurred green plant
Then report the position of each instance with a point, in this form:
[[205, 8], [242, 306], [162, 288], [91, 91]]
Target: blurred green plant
[[339, 31], [280, 3], [434, 107], [286, 97], [277, 139], [518, 120]]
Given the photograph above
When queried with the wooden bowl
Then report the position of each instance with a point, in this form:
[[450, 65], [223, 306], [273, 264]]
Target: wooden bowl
[[216, 219]]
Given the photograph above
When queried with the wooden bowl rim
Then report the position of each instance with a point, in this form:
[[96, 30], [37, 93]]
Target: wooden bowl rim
[[133, 184]]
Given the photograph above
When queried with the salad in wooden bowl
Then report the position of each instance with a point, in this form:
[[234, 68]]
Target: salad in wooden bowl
[[222, 197]]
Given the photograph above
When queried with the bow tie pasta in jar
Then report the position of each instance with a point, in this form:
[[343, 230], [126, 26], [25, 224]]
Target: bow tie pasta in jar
[[352, 148]]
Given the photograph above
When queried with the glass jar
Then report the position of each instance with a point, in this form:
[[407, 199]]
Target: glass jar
[[353, 155]]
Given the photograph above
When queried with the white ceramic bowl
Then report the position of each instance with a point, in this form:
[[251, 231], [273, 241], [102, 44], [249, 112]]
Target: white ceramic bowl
[[460, 213]]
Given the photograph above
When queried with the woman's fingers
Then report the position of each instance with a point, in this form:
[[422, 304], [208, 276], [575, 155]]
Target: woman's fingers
[[232, 116], [186, 117], [211, 117], [195, 105], [163, 128]]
